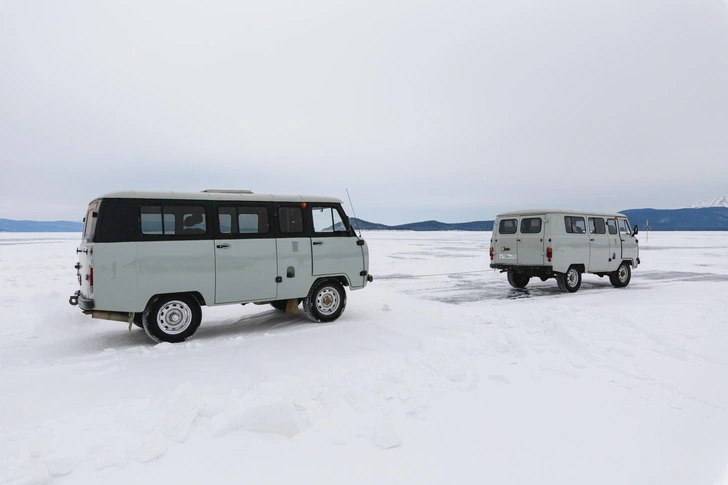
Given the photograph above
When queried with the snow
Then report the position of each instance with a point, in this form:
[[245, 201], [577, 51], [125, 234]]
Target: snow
[[721, 201], [438, 372]]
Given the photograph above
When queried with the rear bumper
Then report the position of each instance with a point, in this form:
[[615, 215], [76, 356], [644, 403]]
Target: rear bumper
[[77, 299], [534, 270]]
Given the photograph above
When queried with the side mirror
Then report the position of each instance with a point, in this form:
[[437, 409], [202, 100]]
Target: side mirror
[[636, 230]]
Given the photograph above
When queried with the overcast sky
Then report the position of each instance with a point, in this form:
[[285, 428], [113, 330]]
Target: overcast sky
[[448, 110]]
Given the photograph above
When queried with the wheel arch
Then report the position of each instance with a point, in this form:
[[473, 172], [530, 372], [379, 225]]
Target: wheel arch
[[196, 295]]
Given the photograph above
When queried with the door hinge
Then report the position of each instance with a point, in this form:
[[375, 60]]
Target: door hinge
[[363, 273], [360, 242]]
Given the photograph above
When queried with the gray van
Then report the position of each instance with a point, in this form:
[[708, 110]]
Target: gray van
[[563, 245], [154, 258]]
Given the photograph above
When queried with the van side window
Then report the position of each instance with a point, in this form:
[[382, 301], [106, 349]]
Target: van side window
[[624, 227], [327, 220], [574, 225], [612, 225], [596, 226], [290, 220], [243, 220], [508, 226], [531, 225], [172, 220]]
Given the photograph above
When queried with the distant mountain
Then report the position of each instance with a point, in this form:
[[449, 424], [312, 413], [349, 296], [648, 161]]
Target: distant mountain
[[705, 219], [425, 226], [693, 219], [721, 201], [9, 225]]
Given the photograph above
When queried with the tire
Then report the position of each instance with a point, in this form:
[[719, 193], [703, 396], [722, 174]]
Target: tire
[[570, 281], [518, 280], [281, 304], [172, 318], [325, 301], [622, 276]]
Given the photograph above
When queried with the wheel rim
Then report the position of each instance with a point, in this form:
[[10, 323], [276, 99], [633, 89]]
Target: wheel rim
[[623, 274], [327, 300], [174, 317], [572, 277]]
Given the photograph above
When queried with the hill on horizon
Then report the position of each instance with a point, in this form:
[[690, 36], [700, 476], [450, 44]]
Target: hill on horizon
[[689, 219]]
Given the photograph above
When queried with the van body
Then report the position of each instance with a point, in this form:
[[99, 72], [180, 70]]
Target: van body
[[144, 250], [564, 245]]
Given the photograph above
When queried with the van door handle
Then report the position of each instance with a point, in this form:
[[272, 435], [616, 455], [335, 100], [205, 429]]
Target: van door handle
[[592, 239], [222, 246], [318, 243]]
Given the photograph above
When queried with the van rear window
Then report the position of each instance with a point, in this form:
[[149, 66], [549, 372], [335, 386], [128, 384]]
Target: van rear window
[[531, 225], [508, 226]]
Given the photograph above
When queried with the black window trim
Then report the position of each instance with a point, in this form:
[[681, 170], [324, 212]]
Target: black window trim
[[325, 205], [278, 234], [248, 235], [141, 237]]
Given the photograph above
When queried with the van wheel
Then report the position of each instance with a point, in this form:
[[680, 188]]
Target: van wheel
[[569, 281], [281, 304], [518, 280], [325, 301], [172, 318], [622, 276]]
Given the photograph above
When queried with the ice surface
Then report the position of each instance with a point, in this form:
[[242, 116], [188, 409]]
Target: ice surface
[[438, 372]]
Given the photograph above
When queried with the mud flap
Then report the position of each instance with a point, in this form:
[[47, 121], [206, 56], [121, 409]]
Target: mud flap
[[292, 306]]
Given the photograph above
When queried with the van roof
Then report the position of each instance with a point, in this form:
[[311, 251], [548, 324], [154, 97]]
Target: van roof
[[537, 212], [242, 195]]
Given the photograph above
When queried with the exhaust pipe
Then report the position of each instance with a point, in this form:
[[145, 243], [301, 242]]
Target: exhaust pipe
[[115, 316]]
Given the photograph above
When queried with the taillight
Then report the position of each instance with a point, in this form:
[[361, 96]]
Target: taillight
[[491, 253], [91, 277], [549, 253]]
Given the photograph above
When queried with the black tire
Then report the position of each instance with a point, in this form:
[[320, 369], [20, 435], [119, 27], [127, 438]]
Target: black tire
[[518, 280], [161, 318], [570, 281], [325, 301], [622, 276], [281, 304]]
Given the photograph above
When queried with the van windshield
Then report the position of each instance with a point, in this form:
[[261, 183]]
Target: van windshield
[[89, 226]]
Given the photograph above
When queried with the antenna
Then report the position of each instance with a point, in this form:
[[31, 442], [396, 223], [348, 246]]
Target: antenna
[[354, 211]]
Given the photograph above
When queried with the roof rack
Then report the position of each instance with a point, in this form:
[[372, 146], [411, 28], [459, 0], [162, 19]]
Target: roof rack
[[223, 191]]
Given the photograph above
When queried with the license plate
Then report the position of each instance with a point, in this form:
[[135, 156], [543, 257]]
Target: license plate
[[507, 256]]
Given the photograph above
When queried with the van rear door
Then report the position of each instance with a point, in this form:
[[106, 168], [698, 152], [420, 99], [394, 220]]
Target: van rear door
[[505, 241], [84, 267], [530, 245]]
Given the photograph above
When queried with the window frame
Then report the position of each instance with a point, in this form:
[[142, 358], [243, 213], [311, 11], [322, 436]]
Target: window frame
[[515, 230], [245, 235], [142, 237], [595, 218], [348, 232], [568, 225], [540, 226], [305, 221]]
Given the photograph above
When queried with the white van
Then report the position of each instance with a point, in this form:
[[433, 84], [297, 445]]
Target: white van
[[154, 258], [563, 245]]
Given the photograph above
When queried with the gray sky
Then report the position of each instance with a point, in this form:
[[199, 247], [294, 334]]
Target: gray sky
[[448, 110]]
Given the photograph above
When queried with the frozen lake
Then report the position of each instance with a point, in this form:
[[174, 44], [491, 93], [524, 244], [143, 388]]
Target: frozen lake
[[437, 372]]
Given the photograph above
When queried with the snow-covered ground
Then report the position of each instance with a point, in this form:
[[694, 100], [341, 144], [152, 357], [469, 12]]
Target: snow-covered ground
[[438, 372]]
